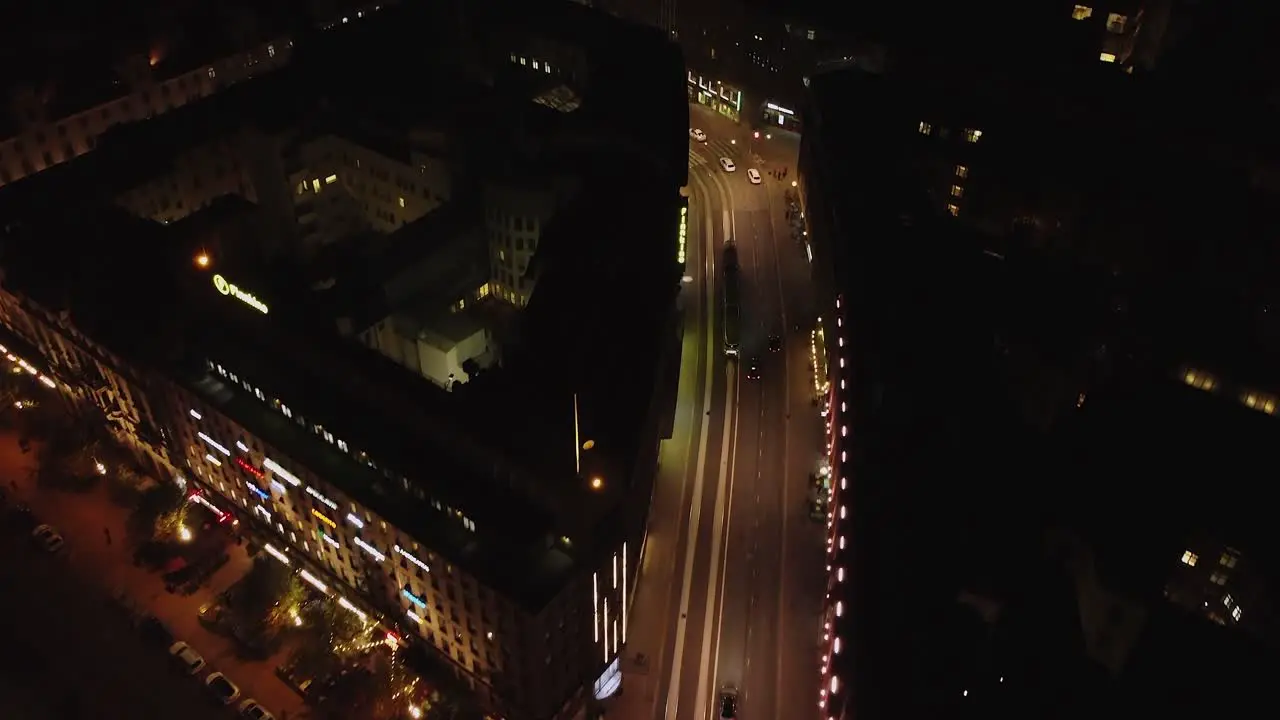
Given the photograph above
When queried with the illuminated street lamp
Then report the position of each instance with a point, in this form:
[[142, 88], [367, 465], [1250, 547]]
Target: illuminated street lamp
[[202, 260], [184, 533], [597, 482]]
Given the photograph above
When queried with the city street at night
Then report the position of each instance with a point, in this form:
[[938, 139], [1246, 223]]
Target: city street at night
[[729, 589]]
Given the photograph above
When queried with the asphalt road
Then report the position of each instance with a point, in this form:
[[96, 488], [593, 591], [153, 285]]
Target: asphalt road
[[729, 588], [66, 653]]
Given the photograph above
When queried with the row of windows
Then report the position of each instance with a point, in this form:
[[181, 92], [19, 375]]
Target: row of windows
[[970, 134], [1254, 400], [342, 445]]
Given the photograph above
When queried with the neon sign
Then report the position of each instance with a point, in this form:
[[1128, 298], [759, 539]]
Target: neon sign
[[222, 286], [684, 229]]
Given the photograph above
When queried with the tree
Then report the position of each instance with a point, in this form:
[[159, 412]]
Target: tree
[[393, 687], [331, 637], [168, 522], [259, 592]]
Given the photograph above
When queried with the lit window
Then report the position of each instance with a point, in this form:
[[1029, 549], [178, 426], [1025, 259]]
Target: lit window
[[1116, 23], [972, 136], [271, 51], [1235, 613], [212, 73], [1199, 380], [1261, 402], [962, 171], [535, 64], [523, 61], [1190, 559], [1081, 12], [315, 184], [953, 209], [1107, 57], [331, 180], [1218, 578], [1227, 560], [401, 202], [925, 128], [957, 191], [1227, 600], [547, 67]]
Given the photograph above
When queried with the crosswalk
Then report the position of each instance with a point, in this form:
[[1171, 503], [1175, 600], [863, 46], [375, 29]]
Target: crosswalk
[[709, 153]]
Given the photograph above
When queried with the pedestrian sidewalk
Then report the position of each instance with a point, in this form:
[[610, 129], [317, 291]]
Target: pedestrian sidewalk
[[94, 528]]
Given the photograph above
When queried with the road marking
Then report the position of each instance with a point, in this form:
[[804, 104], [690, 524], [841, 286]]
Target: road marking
[[720, 525], [786, 453], [691, 538], [695, 413]]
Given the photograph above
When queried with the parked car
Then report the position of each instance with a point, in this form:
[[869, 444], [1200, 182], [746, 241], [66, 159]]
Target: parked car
[[222, 689], [253, 710], [186, 657], [48, 538]]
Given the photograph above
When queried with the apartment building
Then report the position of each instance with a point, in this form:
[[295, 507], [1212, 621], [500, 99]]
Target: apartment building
[[502, 528], [48, 127], [496, 517]]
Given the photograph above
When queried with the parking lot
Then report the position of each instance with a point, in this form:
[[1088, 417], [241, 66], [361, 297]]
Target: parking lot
[[70, 653], [95, 565]]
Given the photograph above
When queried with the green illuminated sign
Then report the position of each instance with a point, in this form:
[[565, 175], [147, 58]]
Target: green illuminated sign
[[221, 285]]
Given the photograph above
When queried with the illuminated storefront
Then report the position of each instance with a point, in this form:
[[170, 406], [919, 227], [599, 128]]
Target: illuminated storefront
[[722, 98], [780, 116]]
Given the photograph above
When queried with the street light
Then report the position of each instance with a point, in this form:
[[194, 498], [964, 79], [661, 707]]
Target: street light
[[184, 533], [793, 183], [597, 482], [202, 260]]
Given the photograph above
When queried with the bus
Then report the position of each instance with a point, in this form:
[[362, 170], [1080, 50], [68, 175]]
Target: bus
[[732, 312]]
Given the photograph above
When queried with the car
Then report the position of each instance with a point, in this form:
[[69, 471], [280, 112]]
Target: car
[[775, 343], [753, 369], [187, 658], [253, 709], [223, 689], [727, 164], [697, 135], [728, 703], [754, 176], [48, 538]]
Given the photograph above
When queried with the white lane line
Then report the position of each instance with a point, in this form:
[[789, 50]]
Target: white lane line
[[698, 312], [673, 692], [731, 390], [720, 524], [786, 452]]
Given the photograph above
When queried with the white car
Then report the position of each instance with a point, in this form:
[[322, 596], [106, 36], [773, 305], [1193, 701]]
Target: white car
[[223, 689], [697, 135], [48, 538], [728, 165], [188, 659], [754, 176], [253, 710]]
